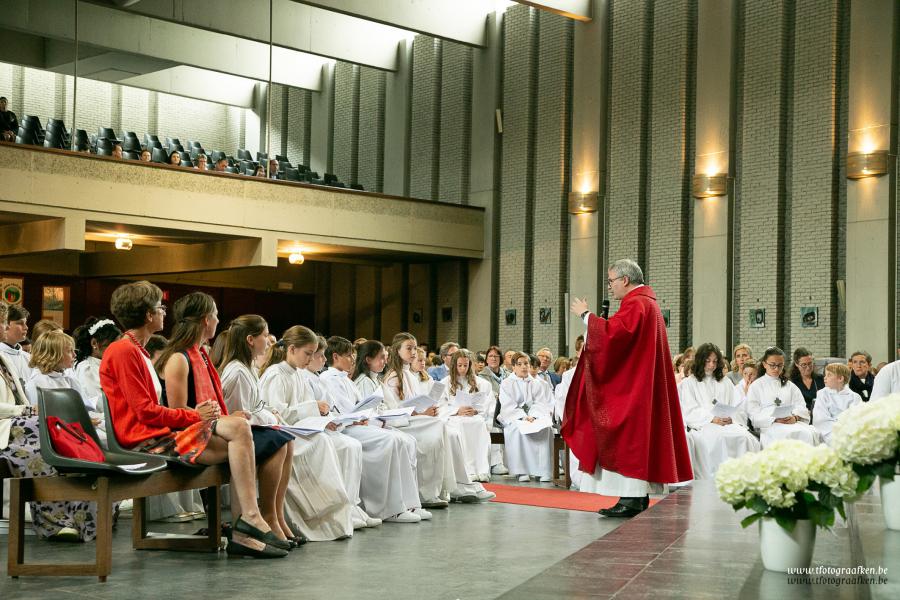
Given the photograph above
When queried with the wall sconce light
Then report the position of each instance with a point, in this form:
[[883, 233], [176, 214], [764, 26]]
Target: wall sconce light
[[867, 164], [124, 243], [296, 258], [581, 203], [709, 186]]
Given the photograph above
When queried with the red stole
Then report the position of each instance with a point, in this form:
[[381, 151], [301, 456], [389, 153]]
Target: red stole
[[207, 385], [622, 410]]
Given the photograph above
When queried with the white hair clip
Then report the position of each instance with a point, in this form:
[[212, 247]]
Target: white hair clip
[[93, 329]]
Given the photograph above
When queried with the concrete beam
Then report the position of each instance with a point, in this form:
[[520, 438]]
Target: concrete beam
[[47, 235], [459, 21], [142, 260], [580, 10]]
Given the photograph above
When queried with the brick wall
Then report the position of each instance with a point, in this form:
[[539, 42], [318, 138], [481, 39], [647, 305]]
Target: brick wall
[[370, 145], [455, 123], [424, 131], [346, 122]]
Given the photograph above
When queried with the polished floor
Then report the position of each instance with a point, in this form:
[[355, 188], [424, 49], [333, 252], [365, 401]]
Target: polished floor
[[688, 546]]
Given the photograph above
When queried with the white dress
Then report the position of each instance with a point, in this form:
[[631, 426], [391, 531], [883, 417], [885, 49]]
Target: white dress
[[829, 406], [526, 453], [714, 444], [316, 500], [88, 374], [887, 381], [388, 486], [768, 392], [474, 430], [440, 460]]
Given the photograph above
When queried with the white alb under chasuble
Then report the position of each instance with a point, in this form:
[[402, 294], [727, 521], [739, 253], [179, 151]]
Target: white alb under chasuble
[[317, 499], [766, 398], [713, 444]]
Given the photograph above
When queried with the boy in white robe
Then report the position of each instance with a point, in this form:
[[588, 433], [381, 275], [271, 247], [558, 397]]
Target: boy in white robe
[[715, 437], [748, 376], [526, 402], [833, 399], [769, 394]]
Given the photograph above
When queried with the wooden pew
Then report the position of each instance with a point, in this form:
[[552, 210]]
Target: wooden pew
[[105, 490]]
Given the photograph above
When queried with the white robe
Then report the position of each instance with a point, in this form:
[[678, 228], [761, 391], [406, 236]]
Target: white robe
[[388, 486], [88, 374], [317, 499], [559, 410], [440, 460], [887, 381], [474, 430], [526, 454], [768, 392], [829, 406], [714, 444], [18, 360]]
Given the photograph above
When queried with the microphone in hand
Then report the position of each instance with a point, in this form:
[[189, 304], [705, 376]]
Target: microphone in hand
[[604, 309]]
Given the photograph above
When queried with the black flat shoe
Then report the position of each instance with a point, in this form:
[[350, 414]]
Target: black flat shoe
[[620, 511], [235, 549], [266, 537], [298, 538]]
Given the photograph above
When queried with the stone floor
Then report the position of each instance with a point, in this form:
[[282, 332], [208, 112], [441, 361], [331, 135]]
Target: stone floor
[[690, 545]]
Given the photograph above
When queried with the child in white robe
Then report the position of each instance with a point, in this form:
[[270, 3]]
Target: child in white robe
[[91, 339], [523, 401], [463, 405], [317, 499], [771, 391], [748, 376], [388, 488], [440, 464], [714, 439], [833, 399]]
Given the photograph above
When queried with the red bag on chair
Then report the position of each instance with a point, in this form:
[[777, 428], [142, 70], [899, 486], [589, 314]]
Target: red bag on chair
[[72, 441]]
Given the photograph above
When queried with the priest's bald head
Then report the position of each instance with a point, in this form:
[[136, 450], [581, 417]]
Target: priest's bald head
[[623, 276]]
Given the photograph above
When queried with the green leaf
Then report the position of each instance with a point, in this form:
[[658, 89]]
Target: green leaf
[[865, 482], [757, 504], [751, 520], [739, 505], [840, 509], [885, 469], [786, 523], [821, 515]]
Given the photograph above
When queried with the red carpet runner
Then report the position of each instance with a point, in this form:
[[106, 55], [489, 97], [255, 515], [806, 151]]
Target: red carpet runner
[[551, 497]]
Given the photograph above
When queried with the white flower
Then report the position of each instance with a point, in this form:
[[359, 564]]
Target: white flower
[[867, 433]]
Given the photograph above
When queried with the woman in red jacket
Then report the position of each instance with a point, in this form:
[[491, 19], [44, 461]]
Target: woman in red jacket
[[201, 435]]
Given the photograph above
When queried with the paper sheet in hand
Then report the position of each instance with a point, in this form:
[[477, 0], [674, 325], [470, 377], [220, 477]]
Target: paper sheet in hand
[[419, 403], [782, 411], [308, 426], [723, 411], [464, 398], [396, 413], [371, 402], [350, 418], [535, 426]]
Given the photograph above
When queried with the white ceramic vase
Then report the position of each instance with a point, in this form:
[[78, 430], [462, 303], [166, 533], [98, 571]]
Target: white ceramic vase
[[890, 501], [781, 550]]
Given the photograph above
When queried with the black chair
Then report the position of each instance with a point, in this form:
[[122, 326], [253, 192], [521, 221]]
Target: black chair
[[187, 163], [32, 122], [262, 157], [152, 140], [129, 155], [176, 148], [104, 147], [108, 133], [292, 175], [197, 151], [231, 170], [215, 156], [317, 181], [283, 164], [54, 139], [154, 144], [336, 184], [244, 154], [330, 177], [80, 140], [195, 144], [159, 155], [357, 186], [67, 405], [171, 141], [313, 174], [281, 158], [131, 143]]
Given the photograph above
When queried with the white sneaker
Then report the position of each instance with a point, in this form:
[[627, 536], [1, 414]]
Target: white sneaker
[[435, 503], [372, 521], [422, 514], [126, 506], [66, 534], [500, 469], [484, 495], [358, 522], [404, 517], [524, 478]]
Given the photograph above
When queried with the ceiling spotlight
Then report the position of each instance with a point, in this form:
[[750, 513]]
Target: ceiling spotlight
[[296, 258], [123, 243]]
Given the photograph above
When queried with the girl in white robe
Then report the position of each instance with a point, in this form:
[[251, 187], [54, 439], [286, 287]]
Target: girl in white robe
[[772, 390], [468, 416], [440, 461], [91, 340], [349, 449], [748, 376], [524, 400], [388, 488], [833, 399], [316, 499], [715, 439]]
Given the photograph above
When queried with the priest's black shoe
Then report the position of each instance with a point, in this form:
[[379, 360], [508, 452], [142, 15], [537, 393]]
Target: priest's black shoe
[[626, 508]]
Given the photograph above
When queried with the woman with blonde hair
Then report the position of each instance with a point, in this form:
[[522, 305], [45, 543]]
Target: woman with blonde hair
[[463, 406], [316, 499]]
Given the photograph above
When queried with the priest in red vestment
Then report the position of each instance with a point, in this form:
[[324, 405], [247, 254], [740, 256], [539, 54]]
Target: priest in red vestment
[[623, 417]]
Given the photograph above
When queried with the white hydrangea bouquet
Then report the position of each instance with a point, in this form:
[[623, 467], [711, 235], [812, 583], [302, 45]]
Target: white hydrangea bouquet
[[788, 481], [868, 436]]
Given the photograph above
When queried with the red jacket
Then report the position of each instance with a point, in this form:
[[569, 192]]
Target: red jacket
[[622, 410], [135, 412]]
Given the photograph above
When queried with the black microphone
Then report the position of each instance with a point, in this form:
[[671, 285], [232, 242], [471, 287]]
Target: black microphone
[[604, 309]]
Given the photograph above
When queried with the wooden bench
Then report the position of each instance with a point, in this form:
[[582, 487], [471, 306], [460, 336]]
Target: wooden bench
[[105, 490], [559, 445]]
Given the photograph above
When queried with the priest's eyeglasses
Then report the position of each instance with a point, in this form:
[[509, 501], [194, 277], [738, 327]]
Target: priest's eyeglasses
[[609, 282]]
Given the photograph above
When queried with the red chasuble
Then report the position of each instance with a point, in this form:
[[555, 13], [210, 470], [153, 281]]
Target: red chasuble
[[622, 410]]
